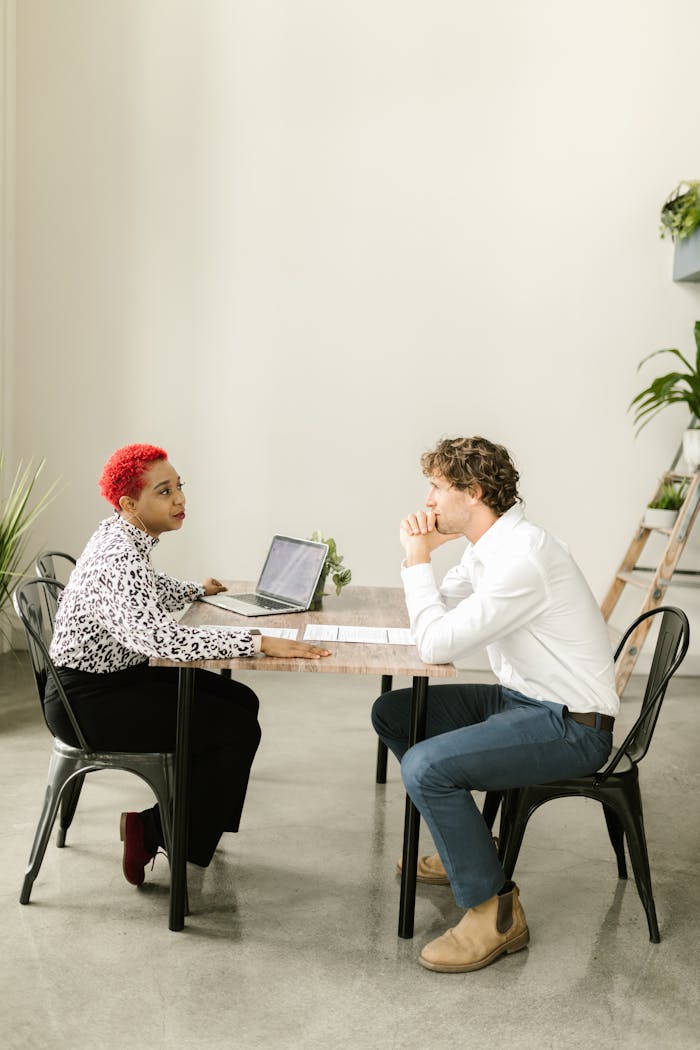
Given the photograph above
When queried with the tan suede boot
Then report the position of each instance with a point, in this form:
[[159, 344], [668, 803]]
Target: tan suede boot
[[430, 869], [484, 932]]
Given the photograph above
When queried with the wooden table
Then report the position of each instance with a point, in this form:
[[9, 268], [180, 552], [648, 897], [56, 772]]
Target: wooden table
[[357, 606]]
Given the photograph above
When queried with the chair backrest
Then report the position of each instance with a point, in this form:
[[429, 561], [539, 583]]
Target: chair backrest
[[47, 567], [46, 564], [33, 601], [671, 647]]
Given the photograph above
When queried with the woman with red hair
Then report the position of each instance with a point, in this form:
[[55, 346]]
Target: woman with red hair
[[114, 615]]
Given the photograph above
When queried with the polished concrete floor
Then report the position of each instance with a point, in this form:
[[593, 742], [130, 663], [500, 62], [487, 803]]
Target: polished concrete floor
[[292, 939]]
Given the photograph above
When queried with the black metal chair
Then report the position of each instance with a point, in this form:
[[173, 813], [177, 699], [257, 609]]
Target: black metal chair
[[616, 785], [46, 567], [46, 563], [69, 765]]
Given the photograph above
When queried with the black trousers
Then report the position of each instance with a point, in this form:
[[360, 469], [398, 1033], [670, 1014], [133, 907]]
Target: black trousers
[[136, 710]]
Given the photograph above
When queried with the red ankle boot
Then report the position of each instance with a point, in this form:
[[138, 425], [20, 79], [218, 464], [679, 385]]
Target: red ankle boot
[[136, 853]]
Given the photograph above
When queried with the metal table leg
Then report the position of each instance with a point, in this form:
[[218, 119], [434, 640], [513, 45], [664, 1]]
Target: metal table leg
[[178, 860], [381, 746], [409, 865]]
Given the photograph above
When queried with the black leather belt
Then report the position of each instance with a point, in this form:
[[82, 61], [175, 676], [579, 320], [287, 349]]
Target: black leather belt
[[592, 718]]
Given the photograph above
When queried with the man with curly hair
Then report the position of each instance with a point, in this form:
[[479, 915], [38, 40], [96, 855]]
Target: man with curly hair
[[518, 592]]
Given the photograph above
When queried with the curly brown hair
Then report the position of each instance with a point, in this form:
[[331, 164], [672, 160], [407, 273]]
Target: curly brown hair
[[465, 462]]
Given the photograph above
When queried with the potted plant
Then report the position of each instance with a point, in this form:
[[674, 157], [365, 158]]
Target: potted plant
[[16, 518], [662, 512], [333, 565], [680, 217], [671, 389]]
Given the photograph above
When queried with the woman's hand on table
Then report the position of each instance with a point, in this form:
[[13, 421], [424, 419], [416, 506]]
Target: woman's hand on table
[[213, 586], [284, 647]]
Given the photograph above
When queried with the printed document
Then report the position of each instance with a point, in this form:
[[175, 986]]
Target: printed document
[[323, 632]]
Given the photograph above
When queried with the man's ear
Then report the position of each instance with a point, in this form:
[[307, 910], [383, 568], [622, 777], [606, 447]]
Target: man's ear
[[475, 491]]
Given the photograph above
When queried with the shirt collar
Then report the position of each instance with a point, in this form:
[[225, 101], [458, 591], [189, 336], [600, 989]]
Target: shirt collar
[[495, 537], [143, 541]]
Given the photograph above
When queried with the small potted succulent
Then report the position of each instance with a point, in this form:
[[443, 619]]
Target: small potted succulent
[[332, 566], [680, 217], [662, 512], [672, 389]]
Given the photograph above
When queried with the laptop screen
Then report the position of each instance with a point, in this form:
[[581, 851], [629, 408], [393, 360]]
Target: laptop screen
[[292, 569]]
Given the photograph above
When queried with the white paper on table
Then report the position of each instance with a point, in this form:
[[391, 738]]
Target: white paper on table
[[399, 636], [324, 632], [373, 635], [320, 632], [280, 632]]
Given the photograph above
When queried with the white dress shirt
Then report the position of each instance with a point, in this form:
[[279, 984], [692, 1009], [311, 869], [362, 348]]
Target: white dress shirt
[[518, 592]]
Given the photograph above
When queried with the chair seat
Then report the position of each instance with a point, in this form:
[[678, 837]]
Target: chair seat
[[110, 759]]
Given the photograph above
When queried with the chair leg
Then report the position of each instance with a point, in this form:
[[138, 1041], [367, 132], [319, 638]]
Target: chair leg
[[515, 813], [69, 804], [160, 781], [490, 808], [382, 755], [636, 841], [617, 838], [60, 769], [382, 750]]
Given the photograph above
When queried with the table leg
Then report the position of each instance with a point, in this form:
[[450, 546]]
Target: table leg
[[381, 746], [178, 860], [409, 865]]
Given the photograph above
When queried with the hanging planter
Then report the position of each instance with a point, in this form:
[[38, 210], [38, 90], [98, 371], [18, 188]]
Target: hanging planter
[[686, 259], [680, 217]]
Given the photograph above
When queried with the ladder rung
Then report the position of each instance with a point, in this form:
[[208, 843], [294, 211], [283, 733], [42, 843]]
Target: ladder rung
[[654, 581], [644, 582], [636, 581]]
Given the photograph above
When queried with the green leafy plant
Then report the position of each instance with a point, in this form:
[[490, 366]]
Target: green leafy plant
[[332, 566], [680, 214], [16, 518], [671, 389], [670, 496]]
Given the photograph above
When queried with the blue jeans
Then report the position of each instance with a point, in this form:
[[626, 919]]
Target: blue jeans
[[481, 738]]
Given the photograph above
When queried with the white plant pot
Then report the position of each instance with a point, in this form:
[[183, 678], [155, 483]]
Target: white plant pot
[[659, 519], [691, 448]]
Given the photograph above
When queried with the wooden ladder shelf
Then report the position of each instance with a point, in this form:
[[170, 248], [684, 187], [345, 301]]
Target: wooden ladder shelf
[[656, 584]]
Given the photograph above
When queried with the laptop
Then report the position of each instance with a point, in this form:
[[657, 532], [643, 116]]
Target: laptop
[[287, 581]]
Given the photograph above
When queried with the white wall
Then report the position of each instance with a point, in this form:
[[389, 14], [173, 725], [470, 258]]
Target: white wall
[[295, 243], [7, 215]]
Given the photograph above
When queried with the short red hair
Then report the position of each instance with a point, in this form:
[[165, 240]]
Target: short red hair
[[122, 474]]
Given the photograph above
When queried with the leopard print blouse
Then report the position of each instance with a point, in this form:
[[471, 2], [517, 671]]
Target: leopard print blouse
[[115, 610]]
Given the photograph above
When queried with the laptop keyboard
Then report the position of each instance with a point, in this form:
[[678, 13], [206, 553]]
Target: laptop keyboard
[[264, 603]]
